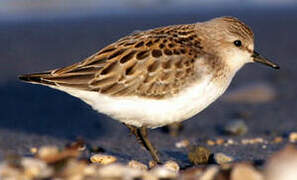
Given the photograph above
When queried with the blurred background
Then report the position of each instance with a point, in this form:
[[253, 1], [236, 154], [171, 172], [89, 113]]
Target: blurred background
[[37, 35]]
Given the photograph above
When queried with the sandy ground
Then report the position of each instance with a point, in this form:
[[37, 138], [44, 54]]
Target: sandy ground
[[33, 115]]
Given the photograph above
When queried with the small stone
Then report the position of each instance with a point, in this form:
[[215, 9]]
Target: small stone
[[162, 172], [47, 151], [152, 164], [236, 127], [199, 155], [230, 141], [172, 166], [33, 150], [252, 141], [282, 165], [137, 165], [35, 168], [210, 143], [277, 139], [103, 159], [222, 158], [220, 141], [182, 144], [245, 172], [78, 145], [293, 137], [51, 154], [117, 171]]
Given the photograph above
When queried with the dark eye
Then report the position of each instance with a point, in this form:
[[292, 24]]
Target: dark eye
[[237, 43]]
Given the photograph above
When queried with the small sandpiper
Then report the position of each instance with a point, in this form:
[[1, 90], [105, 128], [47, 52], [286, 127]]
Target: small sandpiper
[[160, 76]]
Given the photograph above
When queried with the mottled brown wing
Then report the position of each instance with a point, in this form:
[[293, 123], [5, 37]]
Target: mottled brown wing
[[154, 63]]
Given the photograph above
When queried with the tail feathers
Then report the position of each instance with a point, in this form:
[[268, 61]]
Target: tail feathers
[[38, 78], [77, 81]]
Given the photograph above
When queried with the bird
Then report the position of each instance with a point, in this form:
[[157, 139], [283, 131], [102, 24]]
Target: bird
[[160, 76]]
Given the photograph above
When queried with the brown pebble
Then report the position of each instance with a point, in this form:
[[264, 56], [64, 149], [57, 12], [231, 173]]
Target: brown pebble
[[252, 141], [152, 164], [220, 141], [46, 151], [172, 165], [163, 173], [51, 154], [103, 159], [222, 158], [137, 165], [210, 143], [293, 137], [199, 155], [33, 150], [277, 139]]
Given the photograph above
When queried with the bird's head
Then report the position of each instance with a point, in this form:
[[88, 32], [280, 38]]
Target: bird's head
[[232, 40]]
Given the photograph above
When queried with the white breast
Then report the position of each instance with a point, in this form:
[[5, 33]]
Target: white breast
[[153, 113]]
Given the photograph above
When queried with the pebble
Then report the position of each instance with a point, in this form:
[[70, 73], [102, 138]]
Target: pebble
[[152, 164], [35, 168], [277, 139], [117, 171], [51, 154], [282, 165], [172, 166], [162, 172], [245, 172], [252, 141], [230, 141], [182, 144], [137, 165], [33, 150], [46, 151], [293, 137], [199, 155], [236, 127], [210, 143], [103, 159], [222, 158], [220, 141]]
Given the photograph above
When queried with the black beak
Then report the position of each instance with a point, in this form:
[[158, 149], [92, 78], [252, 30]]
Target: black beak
[[258, 58]]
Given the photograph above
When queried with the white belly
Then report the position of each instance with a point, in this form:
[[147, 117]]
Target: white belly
[[153, 113]]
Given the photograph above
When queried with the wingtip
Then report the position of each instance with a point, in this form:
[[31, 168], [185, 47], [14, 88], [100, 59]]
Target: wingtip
[[24, 77], [36, 78]]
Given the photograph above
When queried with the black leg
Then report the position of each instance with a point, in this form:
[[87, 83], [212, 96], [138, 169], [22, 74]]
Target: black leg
[[141, 136]]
